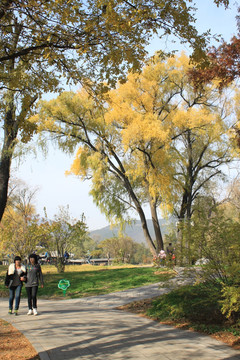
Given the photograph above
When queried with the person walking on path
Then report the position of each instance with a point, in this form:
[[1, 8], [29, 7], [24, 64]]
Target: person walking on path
[[34, 275], [15, 276]]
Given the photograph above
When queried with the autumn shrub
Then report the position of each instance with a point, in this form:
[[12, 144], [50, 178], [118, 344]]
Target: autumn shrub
[[218, 240], [231, 302]]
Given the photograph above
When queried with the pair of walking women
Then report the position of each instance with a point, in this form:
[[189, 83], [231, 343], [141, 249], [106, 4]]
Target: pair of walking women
[[16, 275]]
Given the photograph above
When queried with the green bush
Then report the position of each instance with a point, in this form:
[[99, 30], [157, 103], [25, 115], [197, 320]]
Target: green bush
[[217, 238], [198, 303]]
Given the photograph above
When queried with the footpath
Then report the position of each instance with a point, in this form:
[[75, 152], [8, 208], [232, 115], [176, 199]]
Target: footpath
[[92, 328]]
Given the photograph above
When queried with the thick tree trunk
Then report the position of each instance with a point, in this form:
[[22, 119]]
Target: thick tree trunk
[[180, 226], [156, 225], [10, 134], [184, 243], [147, 235], [5, 164], [141, 214]]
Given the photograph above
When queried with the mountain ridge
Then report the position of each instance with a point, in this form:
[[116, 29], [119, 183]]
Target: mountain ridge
[[134, 230]]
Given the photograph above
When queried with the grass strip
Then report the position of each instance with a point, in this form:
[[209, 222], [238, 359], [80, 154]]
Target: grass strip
[[92, 280]]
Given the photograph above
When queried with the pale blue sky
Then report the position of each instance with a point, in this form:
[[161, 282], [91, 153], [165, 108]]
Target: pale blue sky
[[48, 174]]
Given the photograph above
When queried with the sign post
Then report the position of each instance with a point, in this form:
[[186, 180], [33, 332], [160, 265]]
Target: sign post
[[64, 285]]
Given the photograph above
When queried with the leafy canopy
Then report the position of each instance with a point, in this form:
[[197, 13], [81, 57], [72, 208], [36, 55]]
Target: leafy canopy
[[103, 38], [127, 145]]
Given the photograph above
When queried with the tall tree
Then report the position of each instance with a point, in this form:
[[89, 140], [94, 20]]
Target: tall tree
[[43, 42], [166, 115], [201, 154], [200, 159], [126, 144], [77, 119]]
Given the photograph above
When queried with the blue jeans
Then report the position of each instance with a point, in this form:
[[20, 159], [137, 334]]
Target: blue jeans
[[15, 291]]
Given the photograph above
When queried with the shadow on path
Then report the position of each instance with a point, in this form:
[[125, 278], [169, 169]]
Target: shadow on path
[[92, 328]]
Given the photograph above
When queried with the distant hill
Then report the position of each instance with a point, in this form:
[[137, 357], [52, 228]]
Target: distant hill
[[134, 231]]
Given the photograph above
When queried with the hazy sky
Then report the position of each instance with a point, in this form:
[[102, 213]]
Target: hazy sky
[[48, 174]]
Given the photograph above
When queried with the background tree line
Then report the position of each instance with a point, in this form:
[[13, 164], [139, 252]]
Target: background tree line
[[23, 232]]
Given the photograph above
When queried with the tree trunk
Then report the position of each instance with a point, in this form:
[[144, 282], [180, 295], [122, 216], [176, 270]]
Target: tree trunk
[[141, 214], [5, 164], [184, 238], [180, 241], [10, 134], [156, 225], [147, 235]]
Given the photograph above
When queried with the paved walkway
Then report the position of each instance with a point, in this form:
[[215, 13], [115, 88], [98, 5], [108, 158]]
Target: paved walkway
[[93, 329]]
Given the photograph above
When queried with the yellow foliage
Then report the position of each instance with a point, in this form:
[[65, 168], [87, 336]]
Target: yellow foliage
[[137, 132], [191, 118], [79, 165]]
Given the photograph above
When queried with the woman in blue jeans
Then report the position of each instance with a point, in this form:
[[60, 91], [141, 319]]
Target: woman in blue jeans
[[34, 275], [15, 276]]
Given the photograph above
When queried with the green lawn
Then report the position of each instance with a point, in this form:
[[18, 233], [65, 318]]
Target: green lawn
[[197, 307], [91, 280]]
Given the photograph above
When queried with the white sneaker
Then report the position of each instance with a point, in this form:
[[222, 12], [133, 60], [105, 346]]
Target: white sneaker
[[34, 311], [30, 312]]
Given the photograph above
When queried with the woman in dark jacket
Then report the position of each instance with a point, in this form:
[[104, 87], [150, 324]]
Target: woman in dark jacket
[[34, 274], [15, 276]]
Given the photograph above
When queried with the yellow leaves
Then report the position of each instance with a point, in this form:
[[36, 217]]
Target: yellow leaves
[[67, 108], [179, 63], [151, 110], [144, 128], [192, 118], [88, 163], [138, 131], [149, 106], [79, 166]]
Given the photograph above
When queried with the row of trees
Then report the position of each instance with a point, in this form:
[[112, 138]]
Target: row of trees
[[23, 231]]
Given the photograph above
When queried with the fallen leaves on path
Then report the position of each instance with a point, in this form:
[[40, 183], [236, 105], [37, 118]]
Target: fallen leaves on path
[[14, 345]]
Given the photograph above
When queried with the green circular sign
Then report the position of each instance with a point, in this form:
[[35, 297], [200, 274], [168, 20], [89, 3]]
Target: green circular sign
[[63, 284]]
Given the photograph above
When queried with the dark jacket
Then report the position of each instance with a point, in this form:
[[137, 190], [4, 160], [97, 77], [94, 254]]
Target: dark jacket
[[9, 278], [34, 275]]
